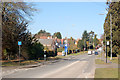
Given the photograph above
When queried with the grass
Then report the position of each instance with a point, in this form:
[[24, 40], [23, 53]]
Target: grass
[[98, 61], [16, 63], [59, 57], [114, 60], [56, 57], [80, 53], [106, 73]]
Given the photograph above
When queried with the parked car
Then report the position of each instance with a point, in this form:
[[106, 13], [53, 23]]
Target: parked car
[[93, 52], [89, 52], [96, 53]]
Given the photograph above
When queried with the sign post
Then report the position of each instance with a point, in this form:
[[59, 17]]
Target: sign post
[[19, 44], [66, 49], [106, 50], [45, 55]]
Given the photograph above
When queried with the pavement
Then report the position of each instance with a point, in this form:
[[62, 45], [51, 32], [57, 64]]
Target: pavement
[[80, 66]]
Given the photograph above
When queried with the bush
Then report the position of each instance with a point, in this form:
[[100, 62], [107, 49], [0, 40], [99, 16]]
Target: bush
[[50, 54], [60, 49], [36, 51]]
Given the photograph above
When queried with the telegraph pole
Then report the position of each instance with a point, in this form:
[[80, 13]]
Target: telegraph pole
[[111, 34], [105, 44]]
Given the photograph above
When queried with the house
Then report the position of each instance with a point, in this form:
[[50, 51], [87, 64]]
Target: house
[[60, 42], [49, 43]]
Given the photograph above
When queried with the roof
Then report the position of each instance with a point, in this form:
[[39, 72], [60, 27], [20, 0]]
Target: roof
[[46, 41]]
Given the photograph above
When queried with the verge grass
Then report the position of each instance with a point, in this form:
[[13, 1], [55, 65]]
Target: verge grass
[[106, 73], [99, 61]]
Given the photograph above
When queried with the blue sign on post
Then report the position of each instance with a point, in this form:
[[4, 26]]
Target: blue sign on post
[[19, 43], [66, 47]]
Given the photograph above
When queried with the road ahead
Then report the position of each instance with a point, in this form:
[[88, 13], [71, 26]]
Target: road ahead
[[81, 66]]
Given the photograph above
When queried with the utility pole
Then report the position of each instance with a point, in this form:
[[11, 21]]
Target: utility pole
[[84, 45], [89, 41], [111, 34], [105, 44]]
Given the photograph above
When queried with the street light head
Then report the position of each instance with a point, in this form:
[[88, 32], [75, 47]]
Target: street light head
[[101, 14]]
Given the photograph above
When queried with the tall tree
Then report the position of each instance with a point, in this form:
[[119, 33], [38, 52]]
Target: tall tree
[[91, 34], [42, 33], [15, 18], [58, 35], [85, 35], [96, 41], [85, 38], [113, 10]]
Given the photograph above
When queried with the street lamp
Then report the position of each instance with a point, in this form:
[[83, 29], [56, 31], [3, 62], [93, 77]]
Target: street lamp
[[110, 33]]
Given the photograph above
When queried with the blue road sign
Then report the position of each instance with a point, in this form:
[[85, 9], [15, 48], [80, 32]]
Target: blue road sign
[[19, 43], [66, 48]]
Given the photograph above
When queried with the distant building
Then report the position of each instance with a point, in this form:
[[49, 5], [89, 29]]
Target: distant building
[[60, 42], [49, 43]]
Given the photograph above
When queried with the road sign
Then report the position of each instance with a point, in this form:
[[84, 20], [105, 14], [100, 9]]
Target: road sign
[[66, 47], [19, 43]]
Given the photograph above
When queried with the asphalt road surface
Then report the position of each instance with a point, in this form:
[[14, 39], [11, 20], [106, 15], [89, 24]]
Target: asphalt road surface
[[80, 66]]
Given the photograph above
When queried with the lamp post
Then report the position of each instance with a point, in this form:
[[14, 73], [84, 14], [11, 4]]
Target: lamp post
[[106, 50], [110, 34]]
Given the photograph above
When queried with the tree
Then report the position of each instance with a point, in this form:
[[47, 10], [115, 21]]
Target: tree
[[113, 10], [85, 35], [96, 41], [15, 19], [85, 38], [36, 50], [58, 35], [91, 34], [80, 45], [71, 38], [43, 33], [71, 43]]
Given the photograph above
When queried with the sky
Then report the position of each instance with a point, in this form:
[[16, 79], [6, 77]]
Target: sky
[[69, 18]]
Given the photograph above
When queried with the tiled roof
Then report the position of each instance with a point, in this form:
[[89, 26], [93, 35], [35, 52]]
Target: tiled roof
[[46, 41]]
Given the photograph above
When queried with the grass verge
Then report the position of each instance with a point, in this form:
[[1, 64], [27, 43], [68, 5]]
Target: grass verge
[[106, 73], [79, 53], [16, 63], [99, 61], [114, 59]]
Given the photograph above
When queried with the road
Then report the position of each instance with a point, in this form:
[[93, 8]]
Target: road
[[80, 66]]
